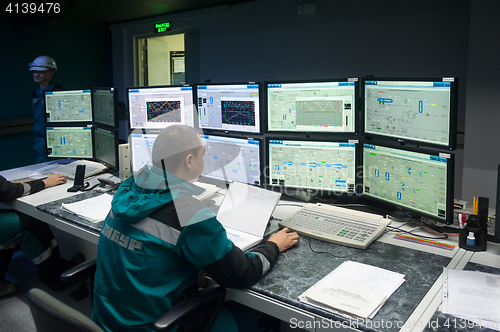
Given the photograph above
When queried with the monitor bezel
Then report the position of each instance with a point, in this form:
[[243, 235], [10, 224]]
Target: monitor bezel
[[129, 118], [116, 143], [48, 122], [221, 132], [261, 160], [72, 125], [144, 131], [115, 108], [450, 177], [316, 134], [452, 135], [328, 192]]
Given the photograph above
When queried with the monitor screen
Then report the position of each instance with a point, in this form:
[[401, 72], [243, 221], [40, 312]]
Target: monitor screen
[[320, 166], [141, 149], [423, 111], [104, 106], [312, 106], [106, 146], [421, 182], [232, 159], [68, 106], [69, 142], [231, 107], [160, 107]]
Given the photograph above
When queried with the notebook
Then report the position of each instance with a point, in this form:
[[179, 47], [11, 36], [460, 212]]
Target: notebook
[[245, 212]]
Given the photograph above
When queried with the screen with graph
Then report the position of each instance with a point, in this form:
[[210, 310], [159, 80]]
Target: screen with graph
[[416, 181], [312, 106], [320, 166], [231, 107], [159, 107], [69, 142], [419, 110]]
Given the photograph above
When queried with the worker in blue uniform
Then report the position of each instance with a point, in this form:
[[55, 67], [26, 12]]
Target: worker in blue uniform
[[157, 238], [43, 69]]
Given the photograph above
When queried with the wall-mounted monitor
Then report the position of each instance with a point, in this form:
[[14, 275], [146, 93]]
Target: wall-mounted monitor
[[322, 167], [320, 106], [106, 146], [159, 107], [104, 106], [229, 107], [414, 111], [69, 142], [418, 181], [68, 106], [232, 159]]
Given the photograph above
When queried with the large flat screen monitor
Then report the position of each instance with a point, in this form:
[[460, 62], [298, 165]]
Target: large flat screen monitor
[[232, 159], [104, 105], [422, 111], [421, 182], [159, 107], [229, 107], [69, 142], [323, 106], [68, 106], [106, 146], [319, 166], [141, 148]]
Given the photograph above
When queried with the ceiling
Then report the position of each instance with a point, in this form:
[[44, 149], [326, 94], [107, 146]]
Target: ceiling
[[112, 11]]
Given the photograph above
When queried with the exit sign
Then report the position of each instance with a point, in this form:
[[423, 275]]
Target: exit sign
[[162, 27]]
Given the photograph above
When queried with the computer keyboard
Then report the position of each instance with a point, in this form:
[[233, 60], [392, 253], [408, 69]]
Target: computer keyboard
[[337, 225], [69, 170]]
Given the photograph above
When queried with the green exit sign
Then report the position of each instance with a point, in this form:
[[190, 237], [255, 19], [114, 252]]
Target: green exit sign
[[162, 27]]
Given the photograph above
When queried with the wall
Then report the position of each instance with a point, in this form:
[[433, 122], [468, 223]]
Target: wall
[[268, 40], [83, 56]]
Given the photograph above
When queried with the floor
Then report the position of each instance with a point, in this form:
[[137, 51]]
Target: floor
[[15, 314]]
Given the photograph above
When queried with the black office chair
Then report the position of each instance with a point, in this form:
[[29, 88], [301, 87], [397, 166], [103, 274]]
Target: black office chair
[[197, 313]]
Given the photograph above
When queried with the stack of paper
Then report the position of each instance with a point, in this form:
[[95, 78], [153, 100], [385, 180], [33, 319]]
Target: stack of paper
[[94, 209], [354, 289], [473, 296]]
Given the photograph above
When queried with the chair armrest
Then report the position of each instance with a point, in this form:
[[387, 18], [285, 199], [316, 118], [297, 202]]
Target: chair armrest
[[189, 310], [83, 269]]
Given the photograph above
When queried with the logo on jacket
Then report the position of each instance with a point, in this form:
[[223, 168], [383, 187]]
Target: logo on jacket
[[123, 240]]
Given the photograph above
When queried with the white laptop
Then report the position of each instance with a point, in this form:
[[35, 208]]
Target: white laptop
[[245, 213]]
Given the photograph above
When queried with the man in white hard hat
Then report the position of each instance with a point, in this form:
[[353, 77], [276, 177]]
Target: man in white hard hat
[[43, 69]]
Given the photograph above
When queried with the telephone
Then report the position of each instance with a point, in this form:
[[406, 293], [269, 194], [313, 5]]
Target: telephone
[[105, 185]]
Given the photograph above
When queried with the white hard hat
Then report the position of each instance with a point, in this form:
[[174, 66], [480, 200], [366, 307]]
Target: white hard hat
[[42, 63]]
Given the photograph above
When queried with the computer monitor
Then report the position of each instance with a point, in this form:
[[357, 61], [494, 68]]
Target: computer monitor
[[232, 159], [414, 180], [69, 142], [159, 107], [419, 111], [141, 148], [104, 106], [320, 167], [320, 106], [68, 106], [106, 146], [229, 107]]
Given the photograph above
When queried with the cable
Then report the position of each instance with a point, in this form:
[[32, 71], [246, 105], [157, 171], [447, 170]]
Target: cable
[[433, 232], [291, 205], [325, 252]]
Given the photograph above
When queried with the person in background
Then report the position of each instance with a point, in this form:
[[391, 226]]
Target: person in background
[[34, 237], [157, 238], [43, 69]]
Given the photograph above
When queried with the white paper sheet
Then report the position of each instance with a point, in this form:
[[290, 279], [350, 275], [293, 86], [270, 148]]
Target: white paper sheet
[[94, 209]]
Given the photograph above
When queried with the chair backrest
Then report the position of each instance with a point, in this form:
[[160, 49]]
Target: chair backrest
[[197, 313], [51, 314]]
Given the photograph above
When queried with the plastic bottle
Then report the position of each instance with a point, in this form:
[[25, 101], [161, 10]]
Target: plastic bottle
[[471, 240]]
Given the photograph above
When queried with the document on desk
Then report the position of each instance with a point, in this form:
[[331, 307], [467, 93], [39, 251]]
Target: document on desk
[[472, 295], [354, 289], [93, 209]]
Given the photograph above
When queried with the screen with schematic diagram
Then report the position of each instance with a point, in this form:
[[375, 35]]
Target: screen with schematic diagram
[[312, 106], [141, 149], [232, 159], [106, 146], [104, 106], [422, 111], [68, 106], [421, 182], [160, 107], [231, 107], [321, 166], [69, 142]]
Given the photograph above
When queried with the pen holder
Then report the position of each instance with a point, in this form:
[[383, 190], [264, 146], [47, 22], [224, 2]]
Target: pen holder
[[477, 224]]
